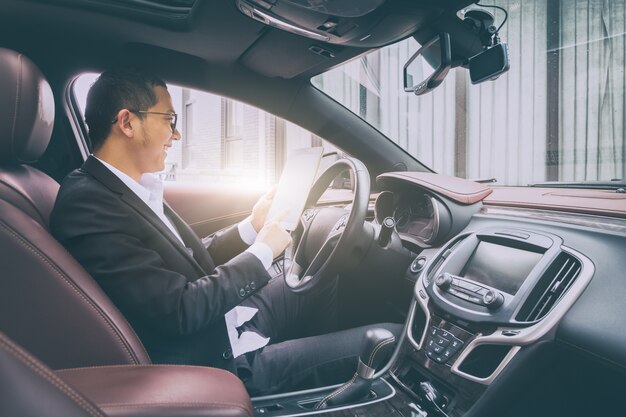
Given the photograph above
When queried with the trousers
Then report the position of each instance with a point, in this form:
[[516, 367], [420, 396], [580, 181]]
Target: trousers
[[304, 351]]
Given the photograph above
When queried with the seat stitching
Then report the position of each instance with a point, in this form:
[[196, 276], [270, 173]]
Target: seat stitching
[[64, 278], [180, 404], [213, 370], [378, 347], [17, 100], [49, 376]]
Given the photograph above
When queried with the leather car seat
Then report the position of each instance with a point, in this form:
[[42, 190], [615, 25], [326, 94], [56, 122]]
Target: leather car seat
[[23, 379], [48, 303], [29, 388]]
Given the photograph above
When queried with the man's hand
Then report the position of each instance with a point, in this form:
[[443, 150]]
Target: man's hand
[[274, 235], [261, 208]]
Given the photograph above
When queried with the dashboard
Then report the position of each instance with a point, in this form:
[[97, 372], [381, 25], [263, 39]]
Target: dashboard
[[416, 215], [495, 282]]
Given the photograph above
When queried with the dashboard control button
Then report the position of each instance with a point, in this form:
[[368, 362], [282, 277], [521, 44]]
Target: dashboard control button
[[474, 299], [443, 281], [438, 349], [444, 333], [455, 344], [442, 342], [447, 354], [493, 299], [463, 284], [433, 331], [462, 295], [435, 357], [430, 344], [418, 264]]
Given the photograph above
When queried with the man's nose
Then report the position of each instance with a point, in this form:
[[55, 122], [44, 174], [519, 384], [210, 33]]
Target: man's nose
[[176, 135]]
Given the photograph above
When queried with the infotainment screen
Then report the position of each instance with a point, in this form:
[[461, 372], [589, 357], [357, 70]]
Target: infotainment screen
[[500, 267]]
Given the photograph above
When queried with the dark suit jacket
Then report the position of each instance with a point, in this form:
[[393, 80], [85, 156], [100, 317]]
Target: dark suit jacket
[[175, 300]]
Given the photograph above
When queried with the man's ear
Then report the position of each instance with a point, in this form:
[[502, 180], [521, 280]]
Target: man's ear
[[124, 122]]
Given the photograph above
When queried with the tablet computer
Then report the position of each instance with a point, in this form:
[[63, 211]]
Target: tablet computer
[[294, 185]]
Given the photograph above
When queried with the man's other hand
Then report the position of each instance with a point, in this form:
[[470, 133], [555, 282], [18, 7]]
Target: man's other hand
[[274, 235], [261, 208]]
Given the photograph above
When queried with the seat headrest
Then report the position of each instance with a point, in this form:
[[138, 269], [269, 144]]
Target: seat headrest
[[26, 109]]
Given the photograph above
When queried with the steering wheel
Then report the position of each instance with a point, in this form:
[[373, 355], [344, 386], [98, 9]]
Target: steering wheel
[[332, 237]]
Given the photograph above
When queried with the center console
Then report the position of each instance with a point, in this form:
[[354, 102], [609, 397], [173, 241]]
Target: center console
[[477, 302], [480, 303]]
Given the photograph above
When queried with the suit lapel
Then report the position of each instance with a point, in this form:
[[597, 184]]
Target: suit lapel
[[111, 181], [200, 253]]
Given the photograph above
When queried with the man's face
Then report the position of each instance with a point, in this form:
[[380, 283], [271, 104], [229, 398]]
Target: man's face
[[156, 133]]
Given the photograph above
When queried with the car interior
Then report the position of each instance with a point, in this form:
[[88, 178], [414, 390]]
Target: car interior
[[512, 298]]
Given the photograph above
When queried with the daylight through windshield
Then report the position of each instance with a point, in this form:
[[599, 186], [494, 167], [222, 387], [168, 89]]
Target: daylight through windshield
[[557, 115]]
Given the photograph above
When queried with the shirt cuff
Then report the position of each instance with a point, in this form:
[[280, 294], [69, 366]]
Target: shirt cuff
[[263, 252], [246, 231]]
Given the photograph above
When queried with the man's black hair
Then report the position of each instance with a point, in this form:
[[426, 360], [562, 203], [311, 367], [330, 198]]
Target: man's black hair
[[113, 91]]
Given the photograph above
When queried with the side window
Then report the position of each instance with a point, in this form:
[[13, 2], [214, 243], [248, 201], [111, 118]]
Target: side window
[[224, 141]]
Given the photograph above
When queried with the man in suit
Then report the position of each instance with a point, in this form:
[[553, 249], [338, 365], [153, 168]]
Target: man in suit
[[190, 301]]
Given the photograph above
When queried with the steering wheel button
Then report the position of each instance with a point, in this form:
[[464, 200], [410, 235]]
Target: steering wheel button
[[433, 331], [455, 343], [242, 292], [438, 349]]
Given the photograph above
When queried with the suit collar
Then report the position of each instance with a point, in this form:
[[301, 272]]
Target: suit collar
[[104, 175], [112, 182]]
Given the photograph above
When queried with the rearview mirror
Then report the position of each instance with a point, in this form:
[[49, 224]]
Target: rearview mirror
[[427, 68], [489, 64]]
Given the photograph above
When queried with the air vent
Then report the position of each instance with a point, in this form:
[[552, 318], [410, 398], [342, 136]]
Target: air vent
[[435, 265], [553, 284]]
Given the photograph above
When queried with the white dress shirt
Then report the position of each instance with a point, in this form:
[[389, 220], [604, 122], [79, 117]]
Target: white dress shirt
[[150, 190]]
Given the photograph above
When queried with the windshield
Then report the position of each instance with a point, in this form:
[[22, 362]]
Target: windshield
[[556, 115]]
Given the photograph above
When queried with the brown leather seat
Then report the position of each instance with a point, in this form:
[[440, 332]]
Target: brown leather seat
[[48, 303], [29, 388]]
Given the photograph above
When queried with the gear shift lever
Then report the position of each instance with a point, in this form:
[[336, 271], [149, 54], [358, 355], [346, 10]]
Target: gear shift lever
[[375, 349]]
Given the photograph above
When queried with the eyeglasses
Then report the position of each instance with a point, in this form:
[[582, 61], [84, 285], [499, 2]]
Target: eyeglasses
[[174, 117]]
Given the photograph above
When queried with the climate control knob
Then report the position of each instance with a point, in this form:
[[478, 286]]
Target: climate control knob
[[493, 299], [443, 281]]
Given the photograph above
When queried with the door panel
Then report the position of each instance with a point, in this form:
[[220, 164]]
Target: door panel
[[209, 208]]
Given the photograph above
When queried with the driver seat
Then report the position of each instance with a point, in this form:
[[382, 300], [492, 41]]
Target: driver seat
[[48, 303]]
